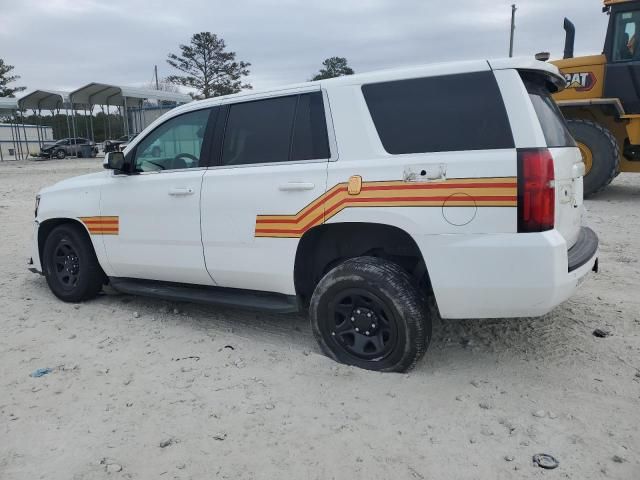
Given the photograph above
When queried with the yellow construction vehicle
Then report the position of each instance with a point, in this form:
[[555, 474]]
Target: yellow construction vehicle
[[602, 100]]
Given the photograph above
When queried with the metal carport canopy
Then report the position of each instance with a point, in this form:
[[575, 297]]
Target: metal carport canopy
[[8, 106], [44, 99], [104, 94]]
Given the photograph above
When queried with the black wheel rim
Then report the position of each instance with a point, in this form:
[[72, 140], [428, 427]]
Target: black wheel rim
[[361, 324], [66, 264]]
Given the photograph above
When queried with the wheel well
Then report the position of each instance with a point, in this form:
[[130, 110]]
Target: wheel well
[[47, 226], [325, 246]]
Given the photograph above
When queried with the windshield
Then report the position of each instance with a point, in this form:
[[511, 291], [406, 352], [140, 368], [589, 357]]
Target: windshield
[[61, 142], [626, 36]]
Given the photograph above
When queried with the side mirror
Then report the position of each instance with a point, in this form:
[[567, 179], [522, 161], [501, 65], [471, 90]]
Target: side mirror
[[114, 161]]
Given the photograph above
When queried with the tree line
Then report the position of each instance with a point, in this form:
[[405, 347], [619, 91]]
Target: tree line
[[205, 66]]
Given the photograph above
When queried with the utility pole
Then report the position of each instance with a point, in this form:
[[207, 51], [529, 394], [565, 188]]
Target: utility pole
[[155, 71], [513, 28]]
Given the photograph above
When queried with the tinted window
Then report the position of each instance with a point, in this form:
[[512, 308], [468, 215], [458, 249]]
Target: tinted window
[[625, 40], [276, 130], [310, 139], [175, 144], [551, 119], [436, 114]]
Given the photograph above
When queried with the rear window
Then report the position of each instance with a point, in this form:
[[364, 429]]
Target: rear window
[[437, 114], [551, 119]]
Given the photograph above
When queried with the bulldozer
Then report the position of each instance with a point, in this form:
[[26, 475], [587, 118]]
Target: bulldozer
[[601, 102]]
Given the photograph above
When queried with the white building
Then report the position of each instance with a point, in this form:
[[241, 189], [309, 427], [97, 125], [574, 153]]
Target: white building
[[21, 141]]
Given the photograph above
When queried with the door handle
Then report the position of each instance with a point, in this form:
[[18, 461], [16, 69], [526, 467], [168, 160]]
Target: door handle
[[175, 191], [293, 186], [428, 173]]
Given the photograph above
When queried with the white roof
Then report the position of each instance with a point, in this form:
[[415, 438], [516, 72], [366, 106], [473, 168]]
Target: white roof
[[103, 94], [434, 69], [8, 105], [44, 99]]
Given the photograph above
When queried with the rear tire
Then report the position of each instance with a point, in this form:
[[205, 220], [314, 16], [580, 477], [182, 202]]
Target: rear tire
[[600, 151], [369, 313], [70, 264]]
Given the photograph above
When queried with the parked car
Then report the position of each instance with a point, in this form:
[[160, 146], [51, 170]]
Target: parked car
[[374, 202], [118, 144], [69, 147]]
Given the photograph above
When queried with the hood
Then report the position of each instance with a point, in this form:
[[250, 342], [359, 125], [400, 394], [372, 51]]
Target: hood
[[47, 146], [89, 180]]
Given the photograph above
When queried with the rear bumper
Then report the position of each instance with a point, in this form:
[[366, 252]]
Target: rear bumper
[[505, 275], [584, 249]]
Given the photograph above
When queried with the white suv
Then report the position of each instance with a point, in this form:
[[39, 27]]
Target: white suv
[[365, 199]]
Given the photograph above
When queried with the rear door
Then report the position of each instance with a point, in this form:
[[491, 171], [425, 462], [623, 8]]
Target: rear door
[[568, 164], [260, 198]]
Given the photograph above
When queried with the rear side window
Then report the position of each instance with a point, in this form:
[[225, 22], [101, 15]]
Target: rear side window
[[310, 139], [551, 119], [437, 114], [282, 129]]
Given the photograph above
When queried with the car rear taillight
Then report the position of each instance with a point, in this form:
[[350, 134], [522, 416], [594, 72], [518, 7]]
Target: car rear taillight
[[536, 191]]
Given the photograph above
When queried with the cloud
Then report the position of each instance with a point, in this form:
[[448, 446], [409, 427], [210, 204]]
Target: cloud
[[64, 44]]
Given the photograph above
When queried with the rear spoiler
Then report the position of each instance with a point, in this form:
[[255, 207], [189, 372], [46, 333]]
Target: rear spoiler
[[554, 83], [530, 67]]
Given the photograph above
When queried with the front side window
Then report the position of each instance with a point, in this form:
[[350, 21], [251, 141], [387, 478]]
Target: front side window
[[282, 129], [626, 40], [438, 114], [176, 144]]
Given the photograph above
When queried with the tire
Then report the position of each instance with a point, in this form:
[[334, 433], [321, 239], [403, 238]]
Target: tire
[[600, 151], [68, 253], [79, 153], [60, 154], [379, 297]]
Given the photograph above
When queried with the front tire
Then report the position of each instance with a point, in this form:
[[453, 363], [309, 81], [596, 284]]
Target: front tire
[[369, 313], [60, 154], [70, 264], [600, 153]]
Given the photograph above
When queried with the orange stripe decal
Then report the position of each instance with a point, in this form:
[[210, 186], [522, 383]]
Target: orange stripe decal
[[479, 192], [102, 225]]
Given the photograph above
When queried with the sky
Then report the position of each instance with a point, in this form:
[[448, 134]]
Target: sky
[[64, 44]]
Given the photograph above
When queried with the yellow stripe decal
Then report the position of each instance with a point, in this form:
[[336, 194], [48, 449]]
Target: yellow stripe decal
[[102, 225], [466, 192]]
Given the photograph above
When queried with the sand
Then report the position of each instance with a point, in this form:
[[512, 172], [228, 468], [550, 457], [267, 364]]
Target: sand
[[146, 389]]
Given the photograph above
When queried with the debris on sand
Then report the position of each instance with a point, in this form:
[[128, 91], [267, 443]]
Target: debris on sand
[[600, 333], [41, 372], [544, 460], [509, 458], [110, 467], [167, 442], [191, 357], [136, 315], [220, 436], [618, 459], [114, 468], [539, 414]]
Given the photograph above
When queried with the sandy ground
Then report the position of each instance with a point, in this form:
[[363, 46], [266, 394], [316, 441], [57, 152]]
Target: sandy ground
[[145, 389]]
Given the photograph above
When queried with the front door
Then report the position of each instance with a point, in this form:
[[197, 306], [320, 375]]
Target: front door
[[261, 197], [157, 207]]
